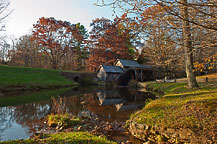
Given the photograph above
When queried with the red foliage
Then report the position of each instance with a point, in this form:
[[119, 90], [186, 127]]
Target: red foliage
[[56, 37], [109, 41]]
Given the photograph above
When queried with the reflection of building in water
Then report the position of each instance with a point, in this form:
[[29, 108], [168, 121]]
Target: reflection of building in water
[[131, 101], [105, 112], [124, 107], [108, 99]]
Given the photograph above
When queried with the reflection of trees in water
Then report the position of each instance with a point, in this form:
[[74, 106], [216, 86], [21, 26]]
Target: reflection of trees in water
[[6, 119], [70, 104], [27, 115], [31, 111], [30, 114]]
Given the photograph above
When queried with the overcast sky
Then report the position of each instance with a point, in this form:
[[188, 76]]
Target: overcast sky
[[27, 12]]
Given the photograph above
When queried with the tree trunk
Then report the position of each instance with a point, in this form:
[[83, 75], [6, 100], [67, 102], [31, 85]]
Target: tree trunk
[[192, 83], [54, 64]]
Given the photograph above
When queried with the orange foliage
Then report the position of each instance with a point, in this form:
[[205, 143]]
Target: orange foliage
[[207, 64]]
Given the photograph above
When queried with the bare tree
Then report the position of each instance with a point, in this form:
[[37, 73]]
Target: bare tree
[[4, 47], [4, 12]]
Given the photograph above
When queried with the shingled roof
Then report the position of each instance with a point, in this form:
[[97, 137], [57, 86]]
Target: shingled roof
[[112, 69], [147, 66], [129, 63]]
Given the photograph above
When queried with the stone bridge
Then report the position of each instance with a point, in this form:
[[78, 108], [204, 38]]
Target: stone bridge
[[80, 77]]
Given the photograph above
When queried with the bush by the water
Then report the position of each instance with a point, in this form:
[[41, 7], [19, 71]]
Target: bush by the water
[[62, 121]]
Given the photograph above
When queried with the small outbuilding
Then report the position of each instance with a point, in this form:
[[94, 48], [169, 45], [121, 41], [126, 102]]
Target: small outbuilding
[[109, 73]]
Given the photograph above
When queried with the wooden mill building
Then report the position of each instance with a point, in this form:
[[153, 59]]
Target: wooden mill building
[[124, 71], [109, 73]]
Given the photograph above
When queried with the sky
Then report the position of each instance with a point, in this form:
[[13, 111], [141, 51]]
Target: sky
[[27, 12]]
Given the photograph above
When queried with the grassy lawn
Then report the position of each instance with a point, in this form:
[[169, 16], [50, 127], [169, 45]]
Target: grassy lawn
[[64, 138], [181, 107], [18, 76], [195, 109], [181, 86], [212, 77]]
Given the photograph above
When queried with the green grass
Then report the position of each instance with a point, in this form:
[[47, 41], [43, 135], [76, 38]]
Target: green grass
[[170, 88], [181, 86], [16, 76], [63, 121], [181, 107], [64, 138], [30, 97], [170, 110]]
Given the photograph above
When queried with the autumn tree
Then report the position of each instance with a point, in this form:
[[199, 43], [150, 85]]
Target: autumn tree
[[29, 52], [207, 64], [161, 43], [191, 14], [76, 59], [108, 41], [56, 38], [25, 51]]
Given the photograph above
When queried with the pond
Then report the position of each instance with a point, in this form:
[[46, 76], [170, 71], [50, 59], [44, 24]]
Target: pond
[[22, 115]]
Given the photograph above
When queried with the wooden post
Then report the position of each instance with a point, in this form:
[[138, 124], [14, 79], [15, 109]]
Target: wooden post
[[206, 79]]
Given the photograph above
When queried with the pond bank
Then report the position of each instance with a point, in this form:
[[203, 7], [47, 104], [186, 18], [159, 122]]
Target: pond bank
[[114, 131], [108, 109], [17, 89], [19, 79], [181, 115], [60, 138]]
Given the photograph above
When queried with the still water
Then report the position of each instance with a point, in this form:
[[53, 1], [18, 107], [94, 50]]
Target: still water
[[22, 115]]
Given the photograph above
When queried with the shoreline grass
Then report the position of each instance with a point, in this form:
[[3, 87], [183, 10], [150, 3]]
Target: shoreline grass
[[175, 110], [29, 97], [181, 86], [64, 138], [181, 108]]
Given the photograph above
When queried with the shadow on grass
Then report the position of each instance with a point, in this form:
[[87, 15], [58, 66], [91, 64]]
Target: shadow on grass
[[169, 102], [188, 95]]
